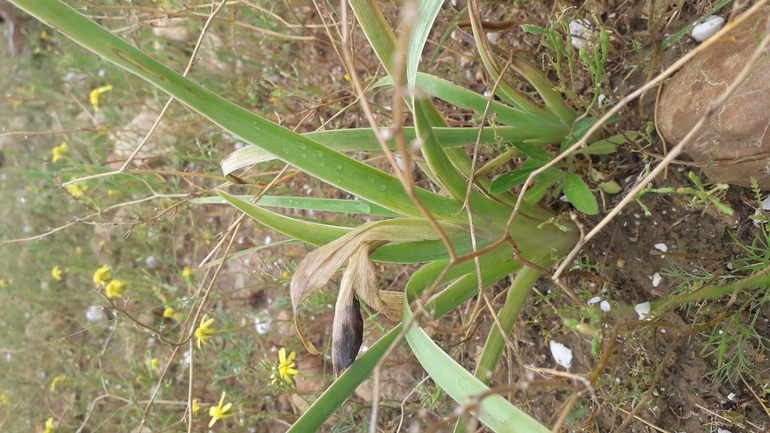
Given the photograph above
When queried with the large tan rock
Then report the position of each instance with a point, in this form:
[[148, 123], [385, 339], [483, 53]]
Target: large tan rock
[[735, 144]]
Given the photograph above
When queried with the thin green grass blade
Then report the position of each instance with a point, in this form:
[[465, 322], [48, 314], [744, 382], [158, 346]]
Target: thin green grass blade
[[309, 203], [249, 251], [318, 161], [305, 231], [377, 30], [507, 92], [321, 234], [533, 129], [428, 10], [553, 100]]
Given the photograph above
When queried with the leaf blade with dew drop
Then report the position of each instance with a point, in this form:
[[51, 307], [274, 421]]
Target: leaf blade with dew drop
[[309, 203], [320, 234]]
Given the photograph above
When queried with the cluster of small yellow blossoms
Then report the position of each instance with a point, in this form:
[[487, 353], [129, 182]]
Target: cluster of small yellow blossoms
[[59, 152], [171, 313], [78, 189], [112, 288]]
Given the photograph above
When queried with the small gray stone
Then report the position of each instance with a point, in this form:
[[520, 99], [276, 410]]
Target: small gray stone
[[735, 144]]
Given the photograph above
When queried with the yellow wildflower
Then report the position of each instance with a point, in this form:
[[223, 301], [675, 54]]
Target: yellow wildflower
[[170, 313], [56, 273], [76, 189], [154, 364], [102, 275], [59, 152], [44, 36], [115, 288], [113, 192], [4, 398], [78, 250], [96, 93], [286, 368], [196, 407], [203, 332], [3, 283], [49, 426], [187, 272], [219, 412], [57, 380]]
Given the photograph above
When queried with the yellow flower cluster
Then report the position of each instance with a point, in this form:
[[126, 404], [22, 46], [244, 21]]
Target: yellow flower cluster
[[59, 152], [76, 189], [171, 313], [113, 288]]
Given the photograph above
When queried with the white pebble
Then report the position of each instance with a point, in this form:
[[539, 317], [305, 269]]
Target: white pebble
[[95, 313], [643, 310], [493, 37], [661, 246], [656, 279], [561, 353], [731, 396], [603, 305], [708, 28]]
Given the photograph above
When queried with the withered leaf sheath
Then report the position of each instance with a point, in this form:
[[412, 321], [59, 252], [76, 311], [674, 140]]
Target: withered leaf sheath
[[347, 336], [358, 282], [348, 329]]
